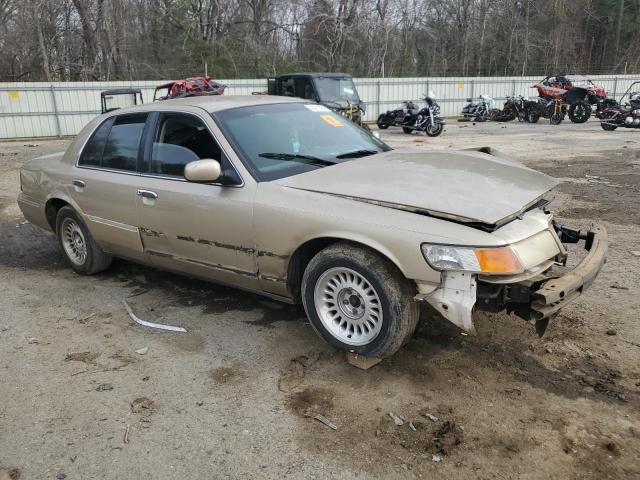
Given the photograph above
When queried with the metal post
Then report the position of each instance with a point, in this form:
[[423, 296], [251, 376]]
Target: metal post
[[378, 99], [55, 110], [615, 86], [473, 88], [513, 93]]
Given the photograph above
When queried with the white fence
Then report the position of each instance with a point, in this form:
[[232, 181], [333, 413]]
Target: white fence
[[63, 108]]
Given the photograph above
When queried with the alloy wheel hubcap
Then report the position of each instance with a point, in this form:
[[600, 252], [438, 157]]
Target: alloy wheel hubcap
[[73, 241], [348, 306]]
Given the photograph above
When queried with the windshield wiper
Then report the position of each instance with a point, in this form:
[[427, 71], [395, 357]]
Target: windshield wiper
[[357, 154], [297, 157]]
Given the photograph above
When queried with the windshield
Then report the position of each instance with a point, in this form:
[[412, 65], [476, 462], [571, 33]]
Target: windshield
[[284, 139], [331, 89]]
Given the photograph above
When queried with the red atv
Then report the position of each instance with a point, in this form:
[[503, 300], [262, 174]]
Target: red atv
[[576, 91], [189, 87]]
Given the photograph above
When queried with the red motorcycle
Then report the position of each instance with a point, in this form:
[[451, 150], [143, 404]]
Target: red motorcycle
[[627, 116]]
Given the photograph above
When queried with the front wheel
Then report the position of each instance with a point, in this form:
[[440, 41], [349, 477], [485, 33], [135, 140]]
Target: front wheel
[[434, 129], [579, 112], [533, 117], [357, 300], [556, 118], [81, 251]]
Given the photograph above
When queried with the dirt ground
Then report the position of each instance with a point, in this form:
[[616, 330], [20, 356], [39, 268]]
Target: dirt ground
[[235, 397]]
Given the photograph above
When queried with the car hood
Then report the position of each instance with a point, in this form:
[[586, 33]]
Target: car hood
[[467, 186]]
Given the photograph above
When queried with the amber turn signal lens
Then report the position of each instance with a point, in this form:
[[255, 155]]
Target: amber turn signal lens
[[497, 260]]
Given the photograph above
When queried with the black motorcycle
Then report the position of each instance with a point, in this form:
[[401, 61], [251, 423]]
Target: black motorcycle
[[510, 111], [428, 119], [403, 117], [553, 109], [480, 111]]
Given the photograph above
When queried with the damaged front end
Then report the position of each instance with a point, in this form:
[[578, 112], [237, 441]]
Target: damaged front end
[[534, 295]]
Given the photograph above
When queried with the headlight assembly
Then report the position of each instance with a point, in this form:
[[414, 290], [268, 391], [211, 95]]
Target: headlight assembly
[[500, 260]]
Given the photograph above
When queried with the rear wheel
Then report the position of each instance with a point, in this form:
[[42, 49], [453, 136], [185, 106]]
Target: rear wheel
[[357, 300], [81, 251], [382, 123], [607, 126], [407, 130], [533, 117], [579, 112]]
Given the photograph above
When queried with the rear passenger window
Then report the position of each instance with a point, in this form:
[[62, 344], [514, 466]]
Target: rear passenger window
[[181, 139], [115, 144], [121, 148]]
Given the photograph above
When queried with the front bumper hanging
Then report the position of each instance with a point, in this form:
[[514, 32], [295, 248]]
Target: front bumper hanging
[[537, 299]]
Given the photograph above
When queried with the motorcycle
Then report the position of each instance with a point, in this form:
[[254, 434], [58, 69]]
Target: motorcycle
[[428, 119], [511, 110], [621, 116], [402, 117], [478, 111], [552, 108]]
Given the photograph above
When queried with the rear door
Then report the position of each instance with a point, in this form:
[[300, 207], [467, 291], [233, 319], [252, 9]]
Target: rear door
[[105, 183], [204, 229]]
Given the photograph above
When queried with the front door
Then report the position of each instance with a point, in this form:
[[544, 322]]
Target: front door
[[203, 229]]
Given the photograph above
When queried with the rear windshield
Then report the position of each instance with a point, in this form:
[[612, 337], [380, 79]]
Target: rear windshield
[[280, 140]]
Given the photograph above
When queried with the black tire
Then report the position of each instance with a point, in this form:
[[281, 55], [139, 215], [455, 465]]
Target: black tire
[[382, 125], [533, 117], [434, 130], [608, 127], [94, 259], [522, 116], [399, 312], [407, 130], [579, 112], [556, 118], [481, 117]]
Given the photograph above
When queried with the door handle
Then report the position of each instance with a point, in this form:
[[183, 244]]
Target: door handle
[[147, 194], [78, 183]]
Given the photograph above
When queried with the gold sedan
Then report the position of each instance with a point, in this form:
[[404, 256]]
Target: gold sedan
[[285, 198]]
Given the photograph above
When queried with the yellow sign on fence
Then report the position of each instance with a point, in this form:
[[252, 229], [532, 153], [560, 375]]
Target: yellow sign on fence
[[14, 95]]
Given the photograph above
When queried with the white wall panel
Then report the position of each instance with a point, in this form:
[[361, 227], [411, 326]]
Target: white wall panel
[[62, 108]]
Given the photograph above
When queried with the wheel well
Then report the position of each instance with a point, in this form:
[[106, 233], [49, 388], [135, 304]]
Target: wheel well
[[303, 255], [51, 211], [299, 261]]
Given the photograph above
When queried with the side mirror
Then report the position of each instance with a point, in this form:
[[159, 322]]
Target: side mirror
[[206, 170]]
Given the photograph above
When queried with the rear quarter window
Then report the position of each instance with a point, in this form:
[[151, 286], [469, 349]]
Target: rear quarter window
[[115, 144], [92, 153]]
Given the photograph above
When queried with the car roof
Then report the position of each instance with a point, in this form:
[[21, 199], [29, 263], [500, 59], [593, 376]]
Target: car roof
[[216, 103], [315, 74], [121, 91]]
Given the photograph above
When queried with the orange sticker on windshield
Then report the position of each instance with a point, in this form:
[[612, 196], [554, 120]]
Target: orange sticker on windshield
[[331, 120]]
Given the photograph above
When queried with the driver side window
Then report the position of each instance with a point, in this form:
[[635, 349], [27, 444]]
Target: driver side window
[[180, 139]]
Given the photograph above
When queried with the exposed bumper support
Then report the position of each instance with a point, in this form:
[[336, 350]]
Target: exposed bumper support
[[557, 292], [455, 299]]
